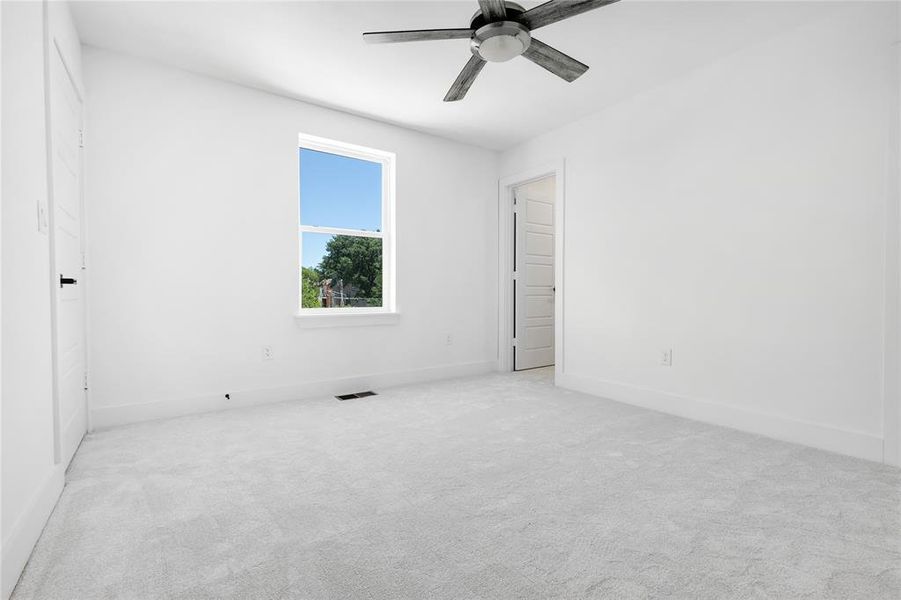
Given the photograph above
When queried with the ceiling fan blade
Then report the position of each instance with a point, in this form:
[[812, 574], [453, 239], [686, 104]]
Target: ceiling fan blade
[[557, 10], [493, 10], [464, 80], [416, 35], [554, 61]]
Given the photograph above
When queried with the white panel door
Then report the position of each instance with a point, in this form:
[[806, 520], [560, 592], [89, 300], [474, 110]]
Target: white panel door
[[534, 268], [66, 169]]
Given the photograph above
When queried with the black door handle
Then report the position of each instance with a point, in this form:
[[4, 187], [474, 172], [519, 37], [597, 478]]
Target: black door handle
[[67, 281]]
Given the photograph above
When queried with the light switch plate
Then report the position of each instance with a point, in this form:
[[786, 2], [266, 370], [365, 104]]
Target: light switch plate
[[666, 357]]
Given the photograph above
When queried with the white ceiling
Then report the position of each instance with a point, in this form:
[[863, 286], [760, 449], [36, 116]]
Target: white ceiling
[[313, 51]]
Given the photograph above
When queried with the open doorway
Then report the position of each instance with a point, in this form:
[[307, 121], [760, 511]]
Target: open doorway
[[530, 332], [533, 279]]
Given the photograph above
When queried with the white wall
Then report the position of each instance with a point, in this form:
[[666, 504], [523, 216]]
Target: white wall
[[192, 248], [1, 299], [892, 315], [31, 482], [740, 215], [27, 444]]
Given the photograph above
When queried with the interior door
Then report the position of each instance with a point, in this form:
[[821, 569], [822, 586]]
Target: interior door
[[65, 122], [534, 271]]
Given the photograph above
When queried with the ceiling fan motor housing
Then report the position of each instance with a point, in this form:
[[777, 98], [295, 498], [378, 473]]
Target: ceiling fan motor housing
[[479, 19], [500, 41]]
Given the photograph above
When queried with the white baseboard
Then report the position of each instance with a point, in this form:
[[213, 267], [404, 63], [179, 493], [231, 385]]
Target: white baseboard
[[824, 437], [20, 541], [110, 416]]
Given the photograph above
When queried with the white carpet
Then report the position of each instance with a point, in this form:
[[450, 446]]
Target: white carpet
[[492, 487]]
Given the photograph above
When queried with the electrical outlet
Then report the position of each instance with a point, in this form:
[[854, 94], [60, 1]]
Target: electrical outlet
[[449, 340], [666, 357], [267, 352]]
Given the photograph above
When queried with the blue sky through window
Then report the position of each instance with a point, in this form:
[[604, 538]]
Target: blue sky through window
[[337, 191]]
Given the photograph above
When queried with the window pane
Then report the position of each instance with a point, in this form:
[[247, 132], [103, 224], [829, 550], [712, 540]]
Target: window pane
[[340, 270], [337, 191]]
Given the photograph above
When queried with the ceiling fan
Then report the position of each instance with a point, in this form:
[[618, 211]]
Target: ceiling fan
[[500, 31]]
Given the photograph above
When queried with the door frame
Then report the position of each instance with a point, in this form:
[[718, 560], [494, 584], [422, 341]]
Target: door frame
[[505, 316]]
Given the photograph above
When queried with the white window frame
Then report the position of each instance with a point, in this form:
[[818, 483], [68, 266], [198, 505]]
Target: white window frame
[[357, 314]]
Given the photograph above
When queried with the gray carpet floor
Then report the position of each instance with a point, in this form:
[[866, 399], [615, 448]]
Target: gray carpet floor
[[492, 487]]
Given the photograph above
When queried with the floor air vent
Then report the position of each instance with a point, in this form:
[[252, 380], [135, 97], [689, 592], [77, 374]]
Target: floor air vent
[[356, 395]]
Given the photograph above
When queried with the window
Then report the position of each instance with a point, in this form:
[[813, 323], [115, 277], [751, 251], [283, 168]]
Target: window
[[346, 228]]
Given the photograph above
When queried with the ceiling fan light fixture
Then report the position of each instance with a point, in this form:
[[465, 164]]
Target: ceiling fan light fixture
[[500, 41], [501, 48]]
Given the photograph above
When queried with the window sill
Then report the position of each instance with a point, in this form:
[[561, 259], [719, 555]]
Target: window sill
[[342, 318]]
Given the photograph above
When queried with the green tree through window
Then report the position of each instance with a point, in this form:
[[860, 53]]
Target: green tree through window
[[309, 287], [353, 262], [357, 261]]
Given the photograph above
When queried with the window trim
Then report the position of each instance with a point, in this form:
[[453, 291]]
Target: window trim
[[388, 160]]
